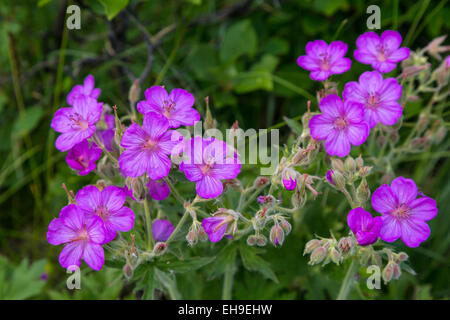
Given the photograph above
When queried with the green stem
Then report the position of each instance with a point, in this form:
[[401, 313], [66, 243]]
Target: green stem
[[228, 282], [148, 223], [175, 192], [348, 281], [178, 227]]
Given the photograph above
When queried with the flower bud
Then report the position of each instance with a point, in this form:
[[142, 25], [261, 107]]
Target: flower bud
[[345, 245], [133, 93], [127, 271], [136, 186], [290, 177], [334, 256], [397, 271], [388, 272], [160, 248], [365, 171], [364, 256], [359, 162], [277, 235], [402, 256], [101, 184], [350, 166], [376, 259], [260, 182], [311, 245], [337, 164], [251, 240], [202, 235], [285, 225], [317, 255], [192, 237], [210, 122], [338, 179], [363, 191], [261, 240]]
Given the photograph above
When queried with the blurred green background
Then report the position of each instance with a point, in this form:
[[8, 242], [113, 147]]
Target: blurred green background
[[242, 54]]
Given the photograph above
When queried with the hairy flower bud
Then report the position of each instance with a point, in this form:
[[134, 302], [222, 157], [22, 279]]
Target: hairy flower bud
[[160, 248], [261, 240], [251, 240], [127, 271], [388, 272], [365, 171], [401, 256], [337, 164], [397, 271], [318, 255], [334, 256], [285, 225], [338, 179], [350, 166], [311, 245], [277, 235], [260, 182], [359, 162], [133, 94], [363, 191], [345, 245], [136, 186], [192, 237]]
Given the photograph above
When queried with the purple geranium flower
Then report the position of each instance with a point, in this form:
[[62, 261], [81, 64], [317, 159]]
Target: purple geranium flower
[[365, 227], [176, 107], [86, 90], [108, 205], [82, 235], [147, 149], [380, 97], [403, 216], [324, 60], [208, 162], [382, 53], [161, 230], [340, 124], [82, 158], [216, 226], [289, 177], [76, 123], [158, 189]]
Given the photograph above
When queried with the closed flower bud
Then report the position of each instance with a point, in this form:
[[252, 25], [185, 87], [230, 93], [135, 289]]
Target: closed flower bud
[[397, 271], [345, 245], [337, 164], [318, 255], [251, 240], [350, 166], [202, 235], [402, 256], [260, 182], [335, 256], [338, 179], [376, 259], [299, 157], [160, 248], [359, 162], [311, 245], [285, 225], [364, 257], [191, 237], [136, 186], [277, 235], [133, 94], [365, 171], [440, 135], [261, 240], [127, 271], [363, 191], [101, 184], [388, 272]]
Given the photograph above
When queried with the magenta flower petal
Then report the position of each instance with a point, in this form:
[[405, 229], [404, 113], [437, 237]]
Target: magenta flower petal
[[324, 60], [404, 216], [161, 230], [71, 254], [82, 157], [382, 53], [158, 189], [176, 107], [209, 187], [87, 89], [364, 226], [215, 227], [94, 256]]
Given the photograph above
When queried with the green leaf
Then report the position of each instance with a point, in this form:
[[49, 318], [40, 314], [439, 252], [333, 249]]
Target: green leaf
[[239, 39], [253, 262], [294, 125], [169, 282], [225, 257], [113, 7], [276, 46], [27, 121], [186, 265], [253, 80]]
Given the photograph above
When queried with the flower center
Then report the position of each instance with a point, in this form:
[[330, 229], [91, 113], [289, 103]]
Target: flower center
[[79, 122], [82, 235], [82, 161], [381, 54], [102, 212], [325, 66], [150, 144], [402, 211], [340, 123], [168, 107], [372, 101]]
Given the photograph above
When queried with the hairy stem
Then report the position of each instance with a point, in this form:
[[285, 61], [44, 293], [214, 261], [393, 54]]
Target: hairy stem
[[148, 224], [348, 281], [228, 282]]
